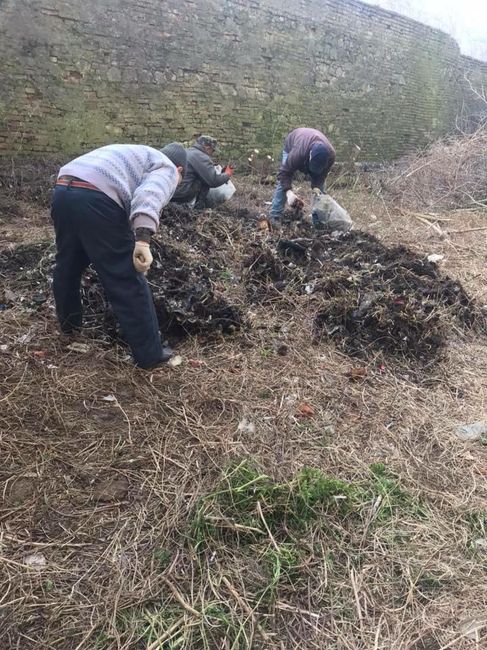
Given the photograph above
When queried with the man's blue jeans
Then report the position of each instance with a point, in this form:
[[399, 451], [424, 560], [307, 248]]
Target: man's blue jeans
[[279, 199]]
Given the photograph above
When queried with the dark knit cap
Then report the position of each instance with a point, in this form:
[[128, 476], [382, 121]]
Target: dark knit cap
[[319, 158], [176, 154]]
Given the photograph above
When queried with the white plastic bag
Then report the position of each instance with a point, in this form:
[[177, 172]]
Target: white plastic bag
[[218, 195], [329, 215]]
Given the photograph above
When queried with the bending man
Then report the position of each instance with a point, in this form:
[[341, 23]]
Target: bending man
[[106, 206], [307, 151], [201, 174]]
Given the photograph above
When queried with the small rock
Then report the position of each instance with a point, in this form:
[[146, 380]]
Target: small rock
[[475, 431], [175, 361], [282, 349], [434, 257], [39, 298], [37, 560], [246, 426], [329, 430]]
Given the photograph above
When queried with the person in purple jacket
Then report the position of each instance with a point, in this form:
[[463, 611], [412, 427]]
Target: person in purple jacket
[[307, 151]]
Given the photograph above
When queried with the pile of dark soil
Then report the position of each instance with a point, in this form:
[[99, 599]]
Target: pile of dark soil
[[363, 296], [183, 280], [185, 296], [367, 297], [25, 274]]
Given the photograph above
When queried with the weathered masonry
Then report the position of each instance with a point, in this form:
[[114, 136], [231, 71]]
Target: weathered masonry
[[75, 75]]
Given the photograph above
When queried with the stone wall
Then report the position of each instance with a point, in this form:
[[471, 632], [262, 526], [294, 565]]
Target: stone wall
[[75, 75], [474, 96]]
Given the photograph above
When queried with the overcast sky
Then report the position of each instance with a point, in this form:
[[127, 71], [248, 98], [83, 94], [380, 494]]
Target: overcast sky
[[466, 20]]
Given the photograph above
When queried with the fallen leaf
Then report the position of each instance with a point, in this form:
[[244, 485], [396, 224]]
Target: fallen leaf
[[109, 398], [305, 410], [264, 225], [40, 354], [195, 363], [356, 374]]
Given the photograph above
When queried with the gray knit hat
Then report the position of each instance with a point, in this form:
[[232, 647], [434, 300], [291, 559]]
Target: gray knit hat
[[176, 154], [204, 140]]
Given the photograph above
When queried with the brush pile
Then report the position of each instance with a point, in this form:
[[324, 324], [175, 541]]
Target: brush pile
[[450, 174]]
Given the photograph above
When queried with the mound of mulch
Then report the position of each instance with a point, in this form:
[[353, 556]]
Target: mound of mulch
[[363, 296], [367, 297]]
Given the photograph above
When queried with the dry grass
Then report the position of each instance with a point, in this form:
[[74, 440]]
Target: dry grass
[[450, 174], [104, 495]]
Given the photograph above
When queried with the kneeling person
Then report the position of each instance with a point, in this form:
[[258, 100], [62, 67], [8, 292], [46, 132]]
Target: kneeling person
[[201, 174], [106, 206]]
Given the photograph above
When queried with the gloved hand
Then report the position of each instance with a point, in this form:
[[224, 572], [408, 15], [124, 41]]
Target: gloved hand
[[142, 256], [294, 201], [228, 170]]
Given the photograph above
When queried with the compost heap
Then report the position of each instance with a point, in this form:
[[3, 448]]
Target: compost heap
[[209, 270]]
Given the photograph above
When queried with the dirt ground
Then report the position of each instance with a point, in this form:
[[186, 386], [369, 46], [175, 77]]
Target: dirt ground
[[295, 483]]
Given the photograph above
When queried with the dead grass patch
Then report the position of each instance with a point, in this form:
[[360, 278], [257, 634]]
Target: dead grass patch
[[203, 507]]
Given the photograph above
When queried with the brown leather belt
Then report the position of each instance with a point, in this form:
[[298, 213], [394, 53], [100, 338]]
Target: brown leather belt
[[72, 181]]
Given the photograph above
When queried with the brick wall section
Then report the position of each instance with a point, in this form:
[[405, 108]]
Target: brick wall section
[[75, 75]]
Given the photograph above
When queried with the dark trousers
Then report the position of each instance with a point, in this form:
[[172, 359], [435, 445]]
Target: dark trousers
[[200, 203], [199, 198], [91, 228]]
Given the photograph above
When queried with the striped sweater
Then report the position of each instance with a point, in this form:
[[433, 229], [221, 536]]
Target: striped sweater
[[140, 179]]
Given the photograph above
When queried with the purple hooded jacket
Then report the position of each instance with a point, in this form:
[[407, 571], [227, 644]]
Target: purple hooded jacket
[[298, 146]]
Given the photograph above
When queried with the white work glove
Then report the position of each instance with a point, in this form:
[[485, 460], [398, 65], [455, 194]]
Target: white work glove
[[142, 256], [293, 200]]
